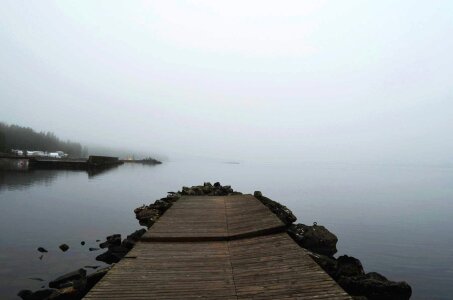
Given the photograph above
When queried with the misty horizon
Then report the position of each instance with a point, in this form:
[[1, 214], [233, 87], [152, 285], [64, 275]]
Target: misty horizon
[[256, 81]]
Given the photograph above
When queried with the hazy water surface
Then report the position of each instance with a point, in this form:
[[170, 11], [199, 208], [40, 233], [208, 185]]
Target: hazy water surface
[[397, 219]]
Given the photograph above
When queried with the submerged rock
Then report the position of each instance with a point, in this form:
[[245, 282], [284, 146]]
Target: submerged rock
[[111, 240], [113, 255], [63, 247], [76, 278], [315, 238], [39, 295], [42, 250]]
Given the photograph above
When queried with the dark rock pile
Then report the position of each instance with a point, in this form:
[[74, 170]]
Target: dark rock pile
[[147, 215], [76, 284], [208, 189], [347, 271], [284, 213], [118, 248], [318, 240], [73, 285], [349, 274]]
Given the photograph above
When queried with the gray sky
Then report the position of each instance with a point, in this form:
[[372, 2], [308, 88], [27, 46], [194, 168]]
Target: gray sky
[[364, 81]]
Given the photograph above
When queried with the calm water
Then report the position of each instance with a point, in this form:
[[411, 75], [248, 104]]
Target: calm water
[[397, 219]]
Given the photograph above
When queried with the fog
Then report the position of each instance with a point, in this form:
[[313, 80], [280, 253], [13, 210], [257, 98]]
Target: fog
[[346, 81]]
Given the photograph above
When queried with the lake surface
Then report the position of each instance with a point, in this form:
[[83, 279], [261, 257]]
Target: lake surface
[[398, 220]]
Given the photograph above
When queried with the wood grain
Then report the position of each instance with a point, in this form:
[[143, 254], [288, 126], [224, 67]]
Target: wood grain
[[229, 247]]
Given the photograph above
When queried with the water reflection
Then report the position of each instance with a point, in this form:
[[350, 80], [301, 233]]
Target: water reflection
[[97, 171], [397, 220], [19, 180]]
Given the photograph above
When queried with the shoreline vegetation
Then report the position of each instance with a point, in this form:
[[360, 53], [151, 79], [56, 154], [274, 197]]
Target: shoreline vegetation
[[25, 139], [317, 240], [18, 137]]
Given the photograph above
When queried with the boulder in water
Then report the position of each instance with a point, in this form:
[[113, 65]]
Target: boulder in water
[[69, 279], [63, 247], [374, 286], [315, 238]]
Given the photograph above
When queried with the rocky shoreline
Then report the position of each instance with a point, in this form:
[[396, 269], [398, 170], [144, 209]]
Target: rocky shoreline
[[347, 271], [318, 241]]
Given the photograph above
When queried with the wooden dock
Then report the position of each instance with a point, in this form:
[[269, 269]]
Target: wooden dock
[[217, 247]]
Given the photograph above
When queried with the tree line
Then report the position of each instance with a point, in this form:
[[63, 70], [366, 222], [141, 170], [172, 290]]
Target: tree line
[[25, 138]]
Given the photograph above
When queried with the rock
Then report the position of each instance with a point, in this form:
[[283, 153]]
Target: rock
[[94, 278], [111, 240], [136, 235], [131, 239], [45, 294], [219, 192], [185, 190], [375, 287], [119, 249], [328, 264], [24, 294], [161, 205], [284, 213], [349, 266], [40, 257], [146, 216], [91, 267], [315, 238], [36, 278], [82, 243], [207, 189], [71, 293], [71, 277], [113, 255], [42, 250], [63, 247], [128, 243], [258, 194], [93, 249], [171, 197]]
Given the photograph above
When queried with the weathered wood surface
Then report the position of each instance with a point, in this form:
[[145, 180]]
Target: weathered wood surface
[[214, 218], [217, 248]]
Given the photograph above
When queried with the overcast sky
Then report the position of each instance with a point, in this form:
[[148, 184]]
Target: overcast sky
[[241, 80]]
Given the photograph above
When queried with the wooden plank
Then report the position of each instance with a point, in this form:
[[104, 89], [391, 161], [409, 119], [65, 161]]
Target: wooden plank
[[205, 218], [273, 266], [228, 247]]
